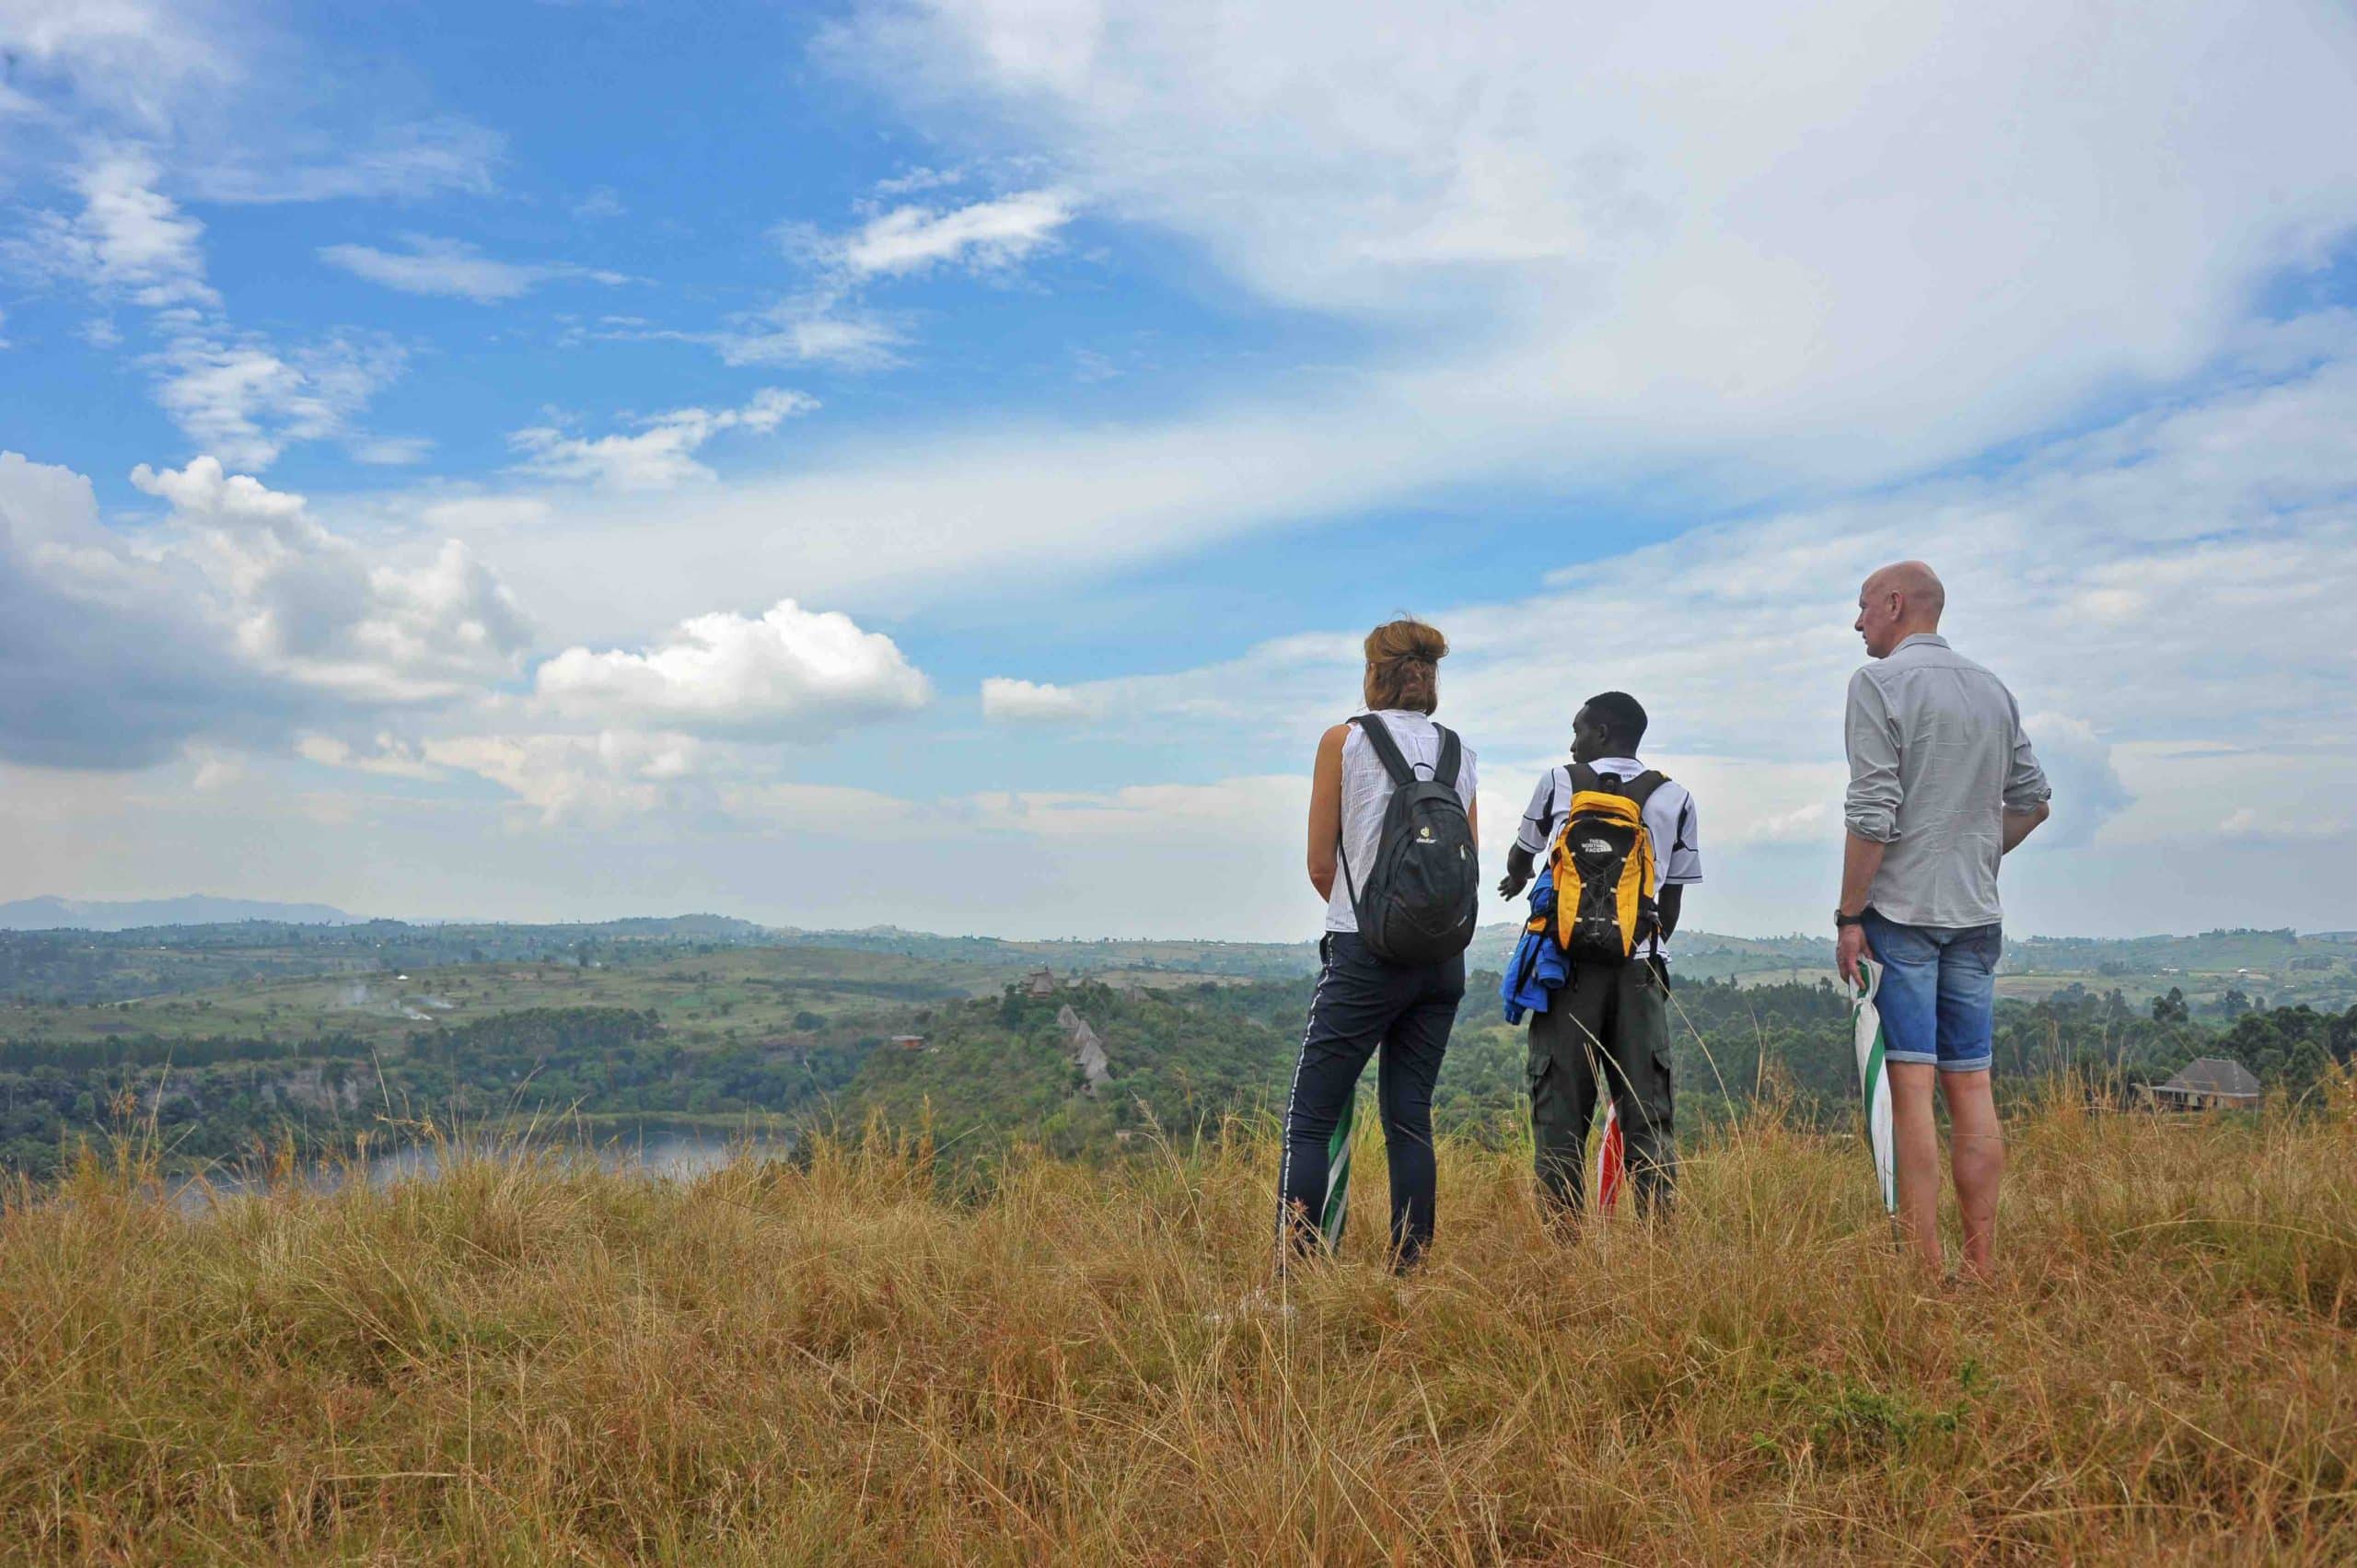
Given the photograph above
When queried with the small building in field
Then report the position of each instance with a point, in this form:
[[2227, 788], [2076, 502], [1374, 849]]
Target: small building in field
[[1041, 982], [906, 1042], [2208, 1083]]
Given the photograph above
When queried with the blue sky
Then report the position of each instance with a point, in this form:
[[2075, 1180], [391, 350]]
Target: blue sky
[[931, 462]]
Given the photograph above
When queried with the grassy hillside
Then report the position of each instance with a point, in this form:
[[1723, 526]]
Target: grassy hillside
[[524, 1363]]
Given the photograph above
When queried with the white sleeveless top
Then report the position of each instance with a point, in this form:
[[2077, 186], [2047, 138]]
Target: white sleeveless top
[[1366, 791]]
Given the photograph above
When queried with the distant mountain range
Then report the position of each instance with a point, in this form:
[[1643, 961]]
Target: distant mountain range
[[53, 913]]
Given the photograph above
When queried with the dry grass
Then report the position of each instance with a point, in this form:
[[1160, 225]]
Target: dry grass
[[523, 1363]]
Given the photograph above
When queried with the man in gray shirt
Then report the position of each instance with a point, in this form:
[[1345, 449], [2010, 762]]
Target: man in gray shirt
[[1943, 785]]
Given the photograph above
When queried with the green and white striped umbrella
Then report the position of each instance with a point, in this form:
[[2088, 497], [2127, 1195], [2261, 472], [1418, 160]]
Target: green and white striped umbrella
[[1337, 1212], [1874, 1084]]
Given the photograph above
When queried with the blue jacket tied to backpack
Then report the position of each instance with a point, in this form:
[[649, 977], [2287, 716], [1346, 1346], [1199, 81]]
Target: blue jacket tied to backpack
[[1540, 964]]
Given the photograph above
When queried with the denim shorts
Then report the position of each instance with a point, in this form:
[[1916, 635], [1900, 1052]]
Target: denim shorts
[[1938, 998]]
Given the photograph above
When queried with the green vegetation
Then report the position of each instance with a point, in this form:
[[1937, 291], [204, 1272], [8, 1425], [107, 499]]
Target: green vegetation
[[658, 1023], [821, 1361]]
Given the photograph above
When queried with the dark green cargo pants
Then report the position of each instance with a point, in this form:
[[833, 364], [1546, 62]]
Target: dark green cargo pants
[[1614, 1020]]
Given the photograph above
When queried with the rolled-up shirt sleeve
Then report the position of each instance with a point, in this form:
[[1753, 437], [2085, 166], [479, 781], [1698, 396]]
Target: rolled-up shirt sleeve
[[1871, 805], [1683, 863], [1532, 837], [2026, 786]]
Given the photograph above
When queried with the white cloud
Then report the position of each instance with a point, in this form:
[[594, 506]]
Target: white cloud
[[918, 178], [234, 393], [392, 451], [967, 512], [1842, 240], [828, 323], [600, 203], [108, 660], [307, 605], [390, 756], [575, 778], [453, 269], [129, 241], [235, 618], [792, 674], [129, 57], [237, 395], [660, 456], [205, 492], [983, 236], [2226, 523], [2079, 766], [811, 329], [1024, 702], [1261, 810], [406, 162], [2225, 520]]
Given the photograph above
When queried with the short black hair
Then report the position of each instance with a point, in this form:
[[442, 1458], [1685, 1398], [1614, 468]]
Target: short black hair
[[1622, 716]]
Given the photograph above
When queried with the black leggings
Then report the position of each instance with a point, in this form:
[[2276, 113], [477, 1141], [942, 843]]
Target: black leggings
[[1362, 1003]]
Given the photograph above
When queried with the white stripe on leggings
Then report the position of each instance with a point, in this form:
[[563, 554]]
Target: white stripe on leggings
[[1285, 1133]]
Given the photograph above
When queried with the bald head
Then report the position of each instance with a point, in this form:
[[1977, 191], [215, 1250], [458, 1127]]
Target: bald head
[[1896, 602]]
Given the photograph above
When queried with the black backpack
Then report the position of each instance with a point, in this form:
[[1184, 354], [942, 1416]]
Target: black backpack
[[1421, 896]]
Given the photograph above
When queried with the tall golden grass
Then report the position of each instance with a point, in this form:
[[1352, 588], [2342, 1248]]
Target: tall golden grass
[[522, 1362]]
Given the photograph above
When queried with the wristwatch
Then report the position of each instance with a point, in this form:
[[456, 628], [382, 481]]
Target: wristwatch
[[1840, 920]]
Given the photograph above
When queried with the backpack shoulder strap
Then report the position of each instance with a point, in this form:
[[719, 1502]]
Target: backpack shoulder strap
[[1452, 757], [1583, 777], [1386, 748], [1641, 788]]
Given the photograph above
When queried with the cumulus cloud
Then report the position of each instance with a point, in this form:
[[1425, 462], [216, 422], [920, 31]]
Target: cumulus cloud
[[1024, 702], [661, 455], [110, 660], [2079, 766], [792, 674], [238, 619], [318, 609], [454, 269]]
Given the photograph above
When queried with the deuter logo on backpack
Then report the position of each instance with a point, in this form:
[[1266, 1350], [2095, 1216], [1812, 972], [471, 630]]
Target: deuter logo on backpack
[[1602, 862], [1423, 894]]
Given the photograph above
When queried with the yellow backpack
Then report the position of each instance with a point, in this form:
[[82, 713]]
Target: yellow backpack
[[1602, 867]]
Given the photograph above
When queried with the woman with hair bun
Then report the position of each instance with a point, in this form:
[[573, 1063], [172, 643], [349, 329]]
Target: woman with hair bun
[[1388, 982]]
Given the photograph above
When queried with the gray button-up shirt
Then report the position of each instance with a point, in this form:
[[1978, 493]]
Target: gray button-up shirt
[[1937, 757]]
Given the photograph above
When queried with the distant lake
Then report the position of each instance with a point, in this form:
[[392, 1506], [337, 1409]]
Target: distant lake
[[654, 1152]]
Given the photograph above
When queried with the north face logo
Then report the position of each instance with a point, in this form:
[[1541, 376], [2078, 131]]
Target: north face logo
[[1595, 846]]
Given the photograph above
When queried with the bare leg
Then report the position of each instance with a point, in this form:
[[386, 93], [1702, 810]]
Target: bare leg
[[1918, 1140], [1977, 1150]]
